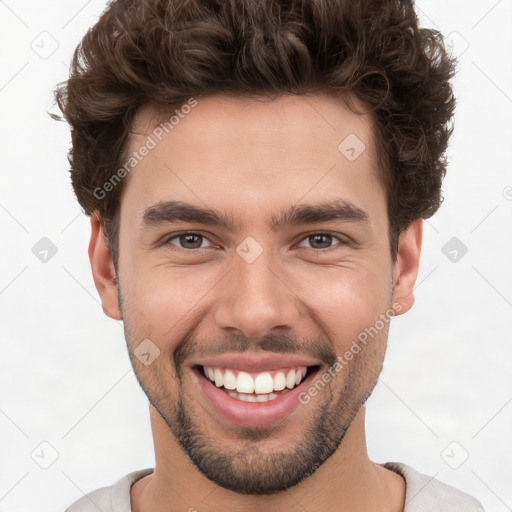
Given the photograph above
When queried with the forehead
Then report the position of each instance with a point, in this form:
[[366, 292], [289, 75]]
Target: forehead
[[289, 122], [255, 153]]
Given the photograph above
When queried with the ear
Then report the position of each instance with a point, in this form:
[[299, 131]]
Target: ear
[[405, 270], [103, 269]]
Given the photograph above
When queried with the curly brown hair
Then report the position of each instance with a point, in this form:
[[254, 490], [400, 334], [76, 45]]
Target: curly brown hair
[[165, 51]]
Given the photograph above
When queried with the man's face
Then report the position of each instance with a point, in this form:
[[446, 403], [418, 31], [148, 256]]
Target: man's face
[[298, 294]]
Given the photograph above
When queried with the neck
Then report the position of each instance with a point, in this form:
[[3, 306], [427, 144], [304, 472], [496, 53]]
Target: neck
[[347, 481]]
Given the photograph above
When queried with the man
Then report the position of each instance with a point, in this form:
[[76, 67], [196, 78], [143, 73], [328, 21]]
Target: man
[[297, 147]]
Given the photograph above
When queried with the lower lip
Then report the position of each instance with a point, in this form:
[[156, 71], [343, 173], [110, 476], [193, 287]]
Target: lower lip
[[252, 414]]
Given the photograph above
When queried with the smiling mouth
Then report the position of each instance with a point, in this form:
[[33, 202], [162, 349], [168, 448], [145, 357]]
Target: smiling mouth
[[256, 386]]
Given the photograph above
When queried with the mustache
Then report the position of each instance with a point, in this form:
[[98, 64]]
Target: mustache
[[318, 348]]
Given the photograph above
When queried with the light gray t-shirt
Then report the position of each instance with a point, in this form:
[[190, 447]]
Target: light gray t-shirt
[[423, 494]]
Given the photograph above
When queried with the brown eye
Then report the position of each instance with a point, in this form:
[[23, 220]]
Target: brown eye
[[187, 240], [322, 240]]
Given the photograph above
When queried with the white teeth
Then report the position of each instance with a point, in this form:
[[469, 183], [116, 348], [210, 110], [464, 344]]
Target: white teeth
[[279, 381], [244, 383], [218, 377], [252, 398], [229, 380], [264, 383], [290, 379]]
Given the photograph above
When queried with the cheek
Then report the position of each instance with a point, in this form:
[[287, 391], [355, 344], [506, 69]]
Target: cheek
[[162, 303], [345, 300], [161, 291]]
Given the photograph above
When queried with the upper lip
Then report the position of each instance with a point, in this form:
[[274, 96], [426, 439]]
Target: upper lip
[[256, 362]]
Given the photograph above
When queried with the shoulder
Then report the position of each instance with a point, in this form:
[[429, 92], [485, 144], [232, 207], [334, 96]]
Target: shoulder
[[425, 493], [115, 498]]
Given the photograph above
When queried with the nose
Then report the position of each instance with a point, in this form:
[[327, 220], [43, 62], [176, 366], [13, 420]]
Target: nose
[[255, 298]]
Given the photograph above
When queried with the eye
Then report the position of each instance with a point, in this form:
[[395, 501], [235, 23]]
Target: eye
[[194, 241], [322, 240], [187, 240]]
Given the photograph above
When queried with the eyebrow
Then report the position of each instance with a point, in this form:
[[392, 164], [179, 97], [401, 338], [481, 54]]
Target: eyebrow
[[166, 212]]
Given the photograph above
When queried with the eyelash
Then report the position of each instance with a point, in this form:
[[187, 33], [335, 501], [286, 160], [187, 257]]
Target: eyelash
[[167, 240]]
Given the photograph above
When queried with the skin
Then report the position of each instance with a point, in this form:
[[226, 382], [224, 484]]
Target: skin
[[253, 159]]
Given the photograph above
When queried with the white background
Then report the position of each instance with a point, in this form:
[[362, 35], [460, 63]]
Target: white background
[[65, 375]]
